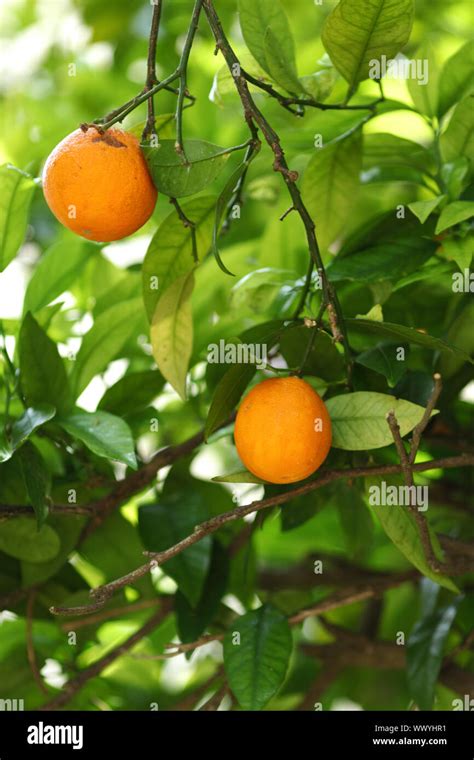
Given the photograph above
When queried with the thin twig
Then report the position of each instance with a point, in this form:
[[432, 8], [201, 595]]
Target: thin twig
[[421, 427], [183, 69], [149, 129]]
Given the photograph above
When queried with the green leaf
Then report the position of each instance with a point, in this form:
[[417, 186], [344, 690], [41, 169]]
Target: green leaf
[[461, 331], [175, 177], [134, 391], [257, 650], [359, 420], [172, 332], [162, 525], [384, 360], [164, 125], [457, 78], [170, 255], [56, 270], [461, 250], [42, 373], [242, 476], [21, 538], [324, 360], [425, 649], [302, 508], [192, 621], [319, 85], [36, 480], [382, 149], [281, 67], [103, 433], [268, 36], [356, 33], [227, 395], [422, 209], [104, 341], [31, 419], [405, 334], [458, 140], [235, 380], [17, 193], [356, 520], [425, 93], [402, 529], [330, 184], [388, 261], [222, 203], [453, 214]]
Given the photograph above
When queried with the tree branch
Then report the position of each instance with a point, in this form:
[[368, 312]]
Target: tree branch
[[103, 593]]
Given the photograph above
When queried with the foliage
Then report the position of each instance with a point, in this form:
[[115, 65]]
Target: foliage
[[106, 378]]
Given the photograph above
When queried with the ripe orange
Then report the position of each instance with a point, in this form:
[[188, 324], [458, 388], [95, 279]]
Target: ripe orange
[[282, 430], [98, 185]]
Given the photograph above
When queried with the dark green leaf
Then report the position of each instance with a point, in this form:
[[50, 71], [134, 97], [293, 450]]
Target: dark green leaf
[[458, 139], [192, 621], [176, 177], [389, 261], [257, 651], [42, 373], [36, 480], [385, 360], [405, 334], [162, 525], [425, 649], [356, 520], [324, 359], [134, 391]]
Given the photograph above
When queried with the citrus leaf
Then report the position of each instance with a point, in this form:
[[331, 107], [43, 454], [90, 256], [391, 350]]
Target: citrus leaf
[[42, 373], [389, 261], [36, 480], [425, 648], [172, 332], [424, 94], [21, 538], [406, 334], [31, 419], [103, 433], [356, 33], [401, 527], [192, 620], [56, 270], [457, 78], [104, 341], [458, 140], [422, 209], [359, 420], [170, 254], [227, 395], [257, 651], [221, 206], [330, 184], [384, 360], [453, 214], [134, 391], [267, 35], [17, 193], [176, 177]]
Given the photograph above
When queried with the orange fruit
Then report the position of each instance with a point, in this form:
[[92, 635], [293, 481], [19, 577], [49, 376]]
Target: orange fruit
[[98, 185], [282, 430]]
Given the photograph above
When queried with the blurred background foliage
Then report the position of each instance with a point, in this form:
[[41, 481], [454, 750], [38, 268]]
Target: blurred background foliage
[[63, 63]]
